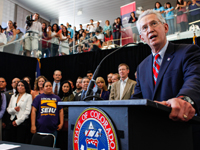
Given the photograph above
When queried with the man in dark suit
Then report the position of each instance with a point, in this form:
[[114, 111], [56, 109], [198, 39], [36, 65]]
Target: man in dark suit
[[6, 116], [57, 76], [171, 74], [81, 95]]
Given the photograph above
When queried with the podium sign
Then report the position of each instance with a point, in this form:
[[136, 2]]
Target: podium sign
[[94, 131]]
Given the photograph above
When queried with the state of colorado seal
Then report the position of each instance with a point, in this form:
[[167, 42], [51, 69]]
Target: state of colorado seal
[[94, 131]]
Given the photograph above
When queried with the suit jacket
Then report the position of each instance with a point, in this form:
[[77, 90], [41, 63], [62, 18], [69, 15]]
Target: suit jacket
[[128, 90], [179, 74], [78, 96], [6, 116], [25, 107]]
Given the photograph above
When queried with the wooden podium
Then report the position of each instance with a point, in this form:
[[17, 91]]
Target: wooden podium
[[139, 124]]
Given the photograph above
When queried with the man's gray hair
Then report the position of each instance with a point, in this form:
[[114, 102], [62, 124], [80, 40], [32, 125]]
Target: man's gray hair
[[148, 12], [84, 78]]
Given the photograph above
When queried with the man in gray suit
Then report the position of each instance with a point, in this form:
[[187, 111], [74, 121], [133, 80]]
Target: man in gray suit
[[81, 95], [124, 88]]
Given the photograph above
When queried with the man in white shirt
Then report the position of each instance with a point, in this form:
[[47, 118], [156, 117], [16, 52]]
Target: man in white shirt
[[92, 27], [57, 76], [122, 89], [100, 36], [35, 30]]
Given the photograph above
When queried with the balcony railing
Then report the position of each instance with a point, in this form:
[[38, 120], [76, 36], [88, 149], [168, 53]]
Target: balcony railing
[[34, 46]]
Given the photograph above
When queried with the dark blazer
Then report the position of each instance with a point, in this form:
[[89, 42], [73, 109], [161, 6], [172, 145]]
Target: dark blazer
[[78, 96], [179, 75], [6, 116], [131, 18]]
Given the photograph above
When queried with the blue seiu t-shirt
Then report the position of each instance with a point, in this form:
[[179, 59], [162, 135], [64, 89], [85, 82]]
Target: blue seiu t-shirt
[[170, 14], [47, 115], [195, 12], [160, 9]]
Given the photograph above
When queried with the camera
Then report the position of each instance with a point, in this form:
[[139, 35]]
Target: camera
[[29, 20]]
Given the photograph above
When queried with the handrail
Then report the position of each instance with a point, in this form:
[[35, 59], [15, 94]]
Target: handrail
[[123, 29]]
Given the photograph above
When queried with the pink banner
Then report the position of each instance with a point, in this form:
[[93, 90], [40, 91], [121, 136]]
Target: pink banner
[[126, 31]]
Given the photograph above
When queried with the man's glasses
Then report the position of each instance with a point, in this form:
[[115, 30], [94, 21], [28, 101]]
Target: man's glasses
[[152, 24]]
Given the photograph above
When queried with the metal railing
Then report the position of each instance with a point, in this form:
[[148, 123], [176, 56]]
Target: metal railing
[[42, 48]]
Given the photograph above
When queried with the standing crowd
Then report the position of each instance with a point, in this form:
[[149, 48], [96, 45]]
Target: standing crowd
[[25, 111], [65, 39], [60, 40]]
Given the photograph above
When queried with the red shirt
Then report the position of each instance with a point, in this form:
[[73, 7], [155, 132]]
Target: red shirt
[[108, 39]]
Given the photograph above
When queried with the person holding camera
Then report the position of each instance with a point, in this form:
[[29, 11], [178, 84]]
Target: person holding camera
[[33, 30]]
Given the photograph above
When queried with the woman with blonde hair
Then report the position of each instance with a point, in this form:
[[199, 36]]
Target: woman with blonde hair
[[38, 86], [104, 90]]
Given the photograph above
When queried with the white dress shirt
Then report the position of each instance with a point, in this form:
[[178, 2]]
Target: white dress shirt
[[54, 85], [122, 86], [14, 91], [161, 53]]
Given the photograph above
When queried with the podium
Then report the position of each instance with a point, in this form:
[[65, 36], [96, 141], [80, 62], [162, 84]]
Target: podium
[[139, 124]]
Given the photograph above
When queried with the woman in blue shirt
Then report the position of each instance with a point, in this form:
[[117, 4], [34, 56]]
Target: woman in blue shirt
[[107, 26], [170, 17], [159, 8]]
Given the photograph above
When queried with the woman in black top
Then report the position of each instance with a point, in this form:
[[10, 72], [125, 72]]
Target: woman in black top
[[116, 32], [133, 20], [65, 94]]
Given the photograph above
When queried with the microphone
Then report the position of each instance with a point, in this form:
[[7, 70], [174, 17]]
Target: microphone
[[92, 83]]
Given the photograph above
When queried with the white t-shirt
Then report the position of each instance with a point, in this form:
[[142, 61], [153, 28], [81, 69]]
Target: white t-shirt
[[92, 28], [3, 39], [100, 36], [54, 40]]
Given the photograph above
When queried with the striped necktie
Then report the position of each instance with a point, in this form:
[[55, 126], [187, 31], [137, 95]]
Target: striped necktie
[[156, 67], [56, 89]]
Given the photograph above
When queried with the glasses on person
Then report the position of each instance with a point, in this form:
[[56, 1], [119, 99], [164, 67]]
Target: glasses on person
[[152, 24]]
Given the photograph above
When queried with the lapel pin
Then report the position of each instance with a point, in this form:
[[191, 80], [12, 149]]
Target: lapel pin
[[168, 59]]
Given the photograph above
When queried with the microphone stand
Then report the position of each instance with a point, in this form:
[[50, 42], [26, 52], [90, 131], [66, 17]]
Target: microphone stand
[[94, 92]]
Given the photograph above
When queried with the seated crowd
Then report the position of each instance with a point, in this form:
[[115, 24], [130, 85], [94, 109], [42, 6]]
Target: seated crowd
[[65, 40], [25, 111]]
